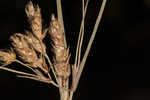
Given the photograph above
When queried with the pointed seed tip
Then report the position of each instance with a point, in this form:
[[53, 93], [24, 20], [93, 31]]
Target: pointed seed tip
[[53, 17]]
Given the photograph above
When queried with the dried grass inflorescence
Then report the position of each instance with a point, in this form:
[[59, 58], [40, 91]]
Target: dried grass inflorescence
[[23, 49], [26, 51], [30, 51], [35, 19], [7, 56], [61, 58]]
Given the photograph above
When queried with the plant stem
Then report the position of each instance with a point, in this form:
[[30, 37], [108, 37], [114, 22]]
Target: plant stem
[[26, 65], [18, 72], [51, 66], [89, 45], [71, 95], [63, 90], [38, 79], [81, 34]]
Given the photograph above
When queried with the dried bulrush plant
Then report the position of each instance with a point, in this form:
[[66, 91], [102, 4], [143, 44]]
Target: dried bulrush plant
[[29, 50]]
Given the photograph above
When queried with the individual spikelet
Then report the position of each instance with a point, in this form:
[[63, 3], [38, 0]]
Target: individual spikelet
[[35, 19], [61, 53], [7, 56]]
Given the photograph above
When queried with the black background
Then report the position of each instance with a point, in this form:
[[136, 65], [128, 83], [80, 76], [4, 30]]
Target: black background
[[118, 64]]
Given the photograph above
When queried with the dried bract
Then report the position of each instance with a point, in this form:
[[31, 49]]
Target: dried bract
[[7, 56]]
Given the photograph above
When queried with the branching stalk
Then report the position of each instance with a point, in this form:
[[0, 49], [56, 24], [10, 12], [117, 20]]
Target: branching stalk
[[81, 34], [26, 65], [52, 68], [89, 45], [18, 72], [38, 79], [32, 51]]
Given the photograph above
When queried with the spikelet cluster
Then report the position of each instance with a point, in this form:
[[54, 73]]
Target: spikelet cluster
[[31, 50], [29, 46], [61, 53]]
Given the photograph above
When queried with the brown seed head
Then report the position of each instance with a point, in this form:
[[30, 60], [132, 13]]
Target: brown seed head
[[61, 53], [34, 15], [7, 56], [25, 52], [56, 32], [24, 48], [35, 42]]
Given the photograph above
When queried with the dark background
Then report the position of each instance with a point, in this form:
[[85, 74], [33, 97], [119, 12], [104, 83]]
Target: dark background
[[118, 64]]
